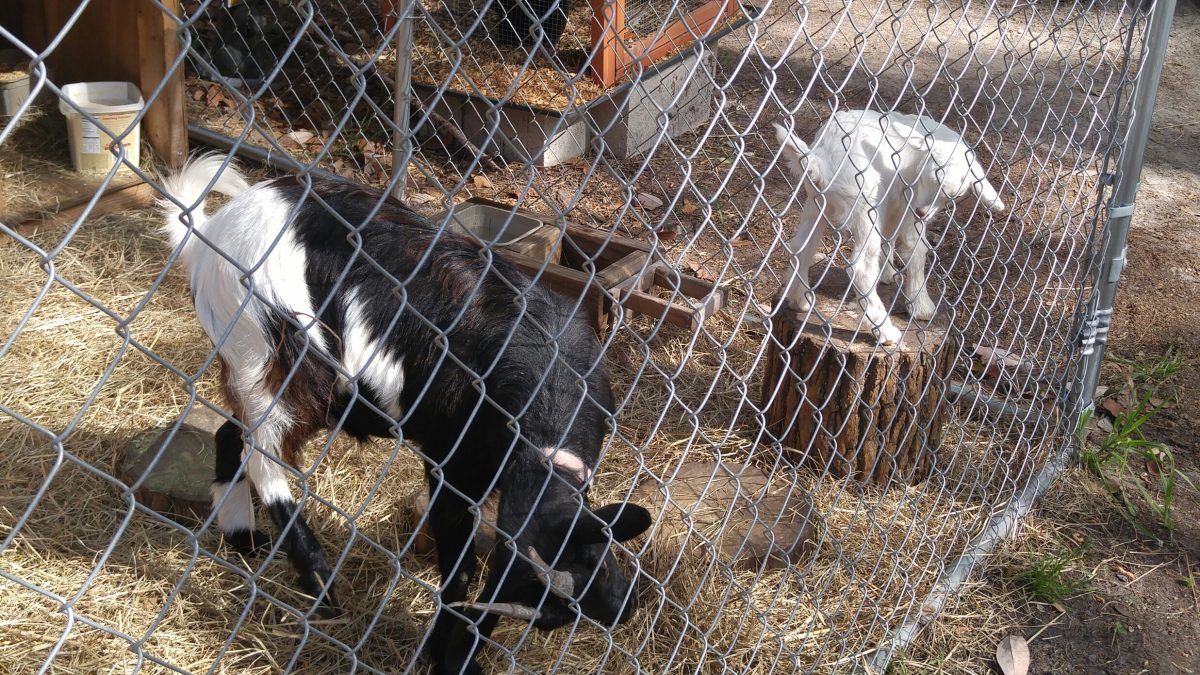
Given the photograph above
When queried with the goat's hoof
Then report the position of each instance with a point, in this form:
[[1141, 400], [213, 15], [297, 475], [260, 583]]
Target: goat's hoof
[[922, 309], [249, 543], [887, 334], [313, 583]]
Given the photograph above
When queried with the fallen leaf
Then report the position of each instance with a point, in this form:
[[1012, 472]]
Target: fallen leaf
[[197, 94], [1113, 407], [418, 198], [1104, 424], [481, 182], [1012, 655], [667, 236], [689, 208], [1155, 462], [740, 243], [296, 139], [647, 201], [999, 357], [1059, 606]]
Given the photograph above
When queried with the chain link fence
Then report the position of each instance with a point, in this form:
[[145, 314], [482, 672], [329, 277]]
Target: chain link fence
[[818, 491]]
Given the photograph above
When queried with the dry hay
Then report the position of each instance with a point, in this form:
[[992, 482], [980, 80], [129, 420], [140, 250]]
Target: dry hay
[[34, 151], [877, 550]]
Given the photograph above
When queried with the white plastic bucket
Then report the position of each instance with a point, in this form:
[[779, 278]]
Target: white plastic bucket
[[113, 104]]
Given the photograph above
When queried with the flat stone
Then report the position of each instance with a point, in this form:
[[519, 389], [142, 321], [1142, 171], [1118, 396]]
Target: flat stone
[[753, 521], [178, 483]]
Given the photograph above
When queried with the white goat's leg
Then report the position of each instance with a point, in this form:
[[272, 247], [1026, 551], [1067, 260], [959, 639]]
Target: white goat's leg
[[889, 275], [910, 241], [803, 248], [864, 275]]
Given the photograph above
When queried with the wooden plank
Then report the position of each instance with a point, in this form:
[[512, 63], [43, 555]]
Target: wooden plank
[[555, 276], [633, 264], [656, 307], [688, 285], [130, 197], [605, 248], [99, 46], [165, 123], [71, 191], [681, 33]]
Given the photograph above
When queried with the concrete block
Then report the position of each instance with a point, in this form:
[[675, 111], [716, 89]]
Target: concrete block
[[667, 102]]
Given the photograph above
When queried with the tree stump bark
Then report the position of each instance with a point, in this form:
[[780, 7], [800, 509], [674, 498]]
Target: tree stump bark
[[844, 404]]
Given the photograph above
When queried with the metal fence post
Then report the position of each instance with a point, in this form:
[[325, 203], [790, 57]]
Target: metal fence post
[[1099, 310], [402, 145]]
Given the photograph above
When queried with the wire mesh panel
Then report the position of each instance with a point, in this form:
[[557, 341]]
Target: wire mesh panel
[[708, 336]]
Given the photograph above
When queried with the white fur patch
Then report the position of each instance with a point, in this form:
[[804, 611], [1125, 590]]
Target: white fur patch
[[569, 461], [270, 479], [246, 230], [368, 360], [236, 512]]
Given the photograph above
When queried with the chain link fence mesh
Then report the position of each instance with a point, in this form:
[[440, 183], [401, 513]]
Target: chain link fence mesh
[[778, 546]]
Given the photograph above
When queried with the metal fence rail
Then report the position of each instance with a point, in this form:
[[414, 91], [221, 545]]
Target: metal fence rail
[[818, 493]]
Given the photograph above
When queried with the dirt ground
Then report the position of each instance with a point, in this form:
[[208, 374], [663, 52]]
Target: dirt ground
[[1136, 611]]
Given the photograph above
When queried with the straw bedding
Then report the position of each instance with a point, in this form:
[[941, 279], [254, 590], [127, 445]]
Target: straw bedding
[[189, 602]]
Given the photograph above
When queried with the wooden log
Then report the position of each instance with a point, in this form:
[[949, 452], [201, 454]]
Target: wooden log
[[848, 405]]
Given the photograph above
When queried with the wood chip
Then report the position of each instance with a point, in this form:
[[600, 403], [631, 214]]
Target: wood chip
[[296, 139], [1113, 407], [647, 201]]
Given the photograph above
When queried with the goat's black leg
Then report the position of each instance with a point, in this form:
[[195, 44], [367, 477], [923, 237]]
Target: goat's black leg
[[305, 553], [451, 645], [235, 513], [296, 539]]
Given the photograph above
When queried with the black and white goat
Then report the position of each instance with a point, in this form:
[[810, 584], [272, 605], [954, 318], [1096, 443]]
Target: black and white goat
[[356, 322]]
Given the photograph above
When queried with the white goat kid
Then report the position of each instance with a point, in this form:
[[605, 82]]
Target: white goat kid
[[879, 177]]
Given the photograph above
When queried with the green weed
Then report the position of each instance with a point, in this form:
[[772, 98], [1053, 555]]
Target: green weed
[[1125, 459], [1047, 580]]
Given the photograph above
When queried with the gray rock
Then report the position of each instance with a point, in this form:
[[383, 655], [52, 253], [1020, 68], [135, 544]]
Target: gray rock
[[753, 521], [178, 483]]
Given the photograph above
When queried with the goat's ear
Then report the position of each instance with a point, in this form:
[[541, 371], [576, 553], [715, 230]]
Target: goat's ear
[[625, 520]]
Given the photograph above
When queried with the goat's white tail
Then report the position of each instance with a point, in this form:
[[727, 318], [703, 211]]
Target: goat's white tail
[[982, 187], [184, 211], [795, 152]]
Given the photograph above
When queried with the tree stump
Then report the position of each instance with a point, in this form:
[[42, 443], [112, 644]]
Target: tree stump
[[849, 405]]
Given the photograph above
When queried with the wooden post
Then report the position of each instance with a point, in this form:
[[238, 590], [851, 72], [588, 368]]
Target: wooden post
[[165, 123], [850, 406], [615, 57], [608, 34]]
